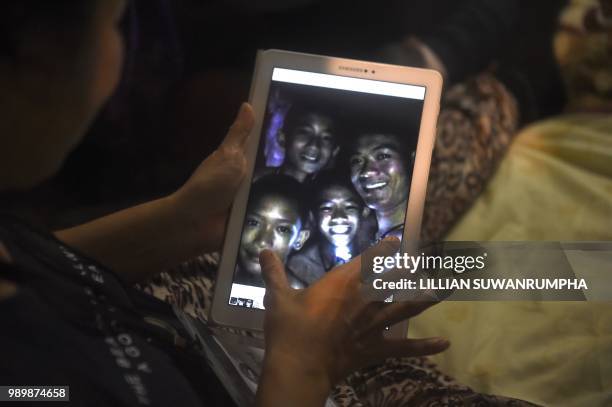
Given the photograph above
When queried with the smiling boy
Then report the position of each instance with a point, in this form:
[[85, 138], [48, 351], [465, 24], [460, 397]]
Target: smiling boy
[[275, 220], [339, 214], [310, 139], [381, 172]]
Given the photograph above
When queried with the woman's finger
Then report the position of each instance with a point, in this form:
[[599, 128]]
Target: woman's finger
[[273, 271], [239, 132], [355, 273], [385, 248]]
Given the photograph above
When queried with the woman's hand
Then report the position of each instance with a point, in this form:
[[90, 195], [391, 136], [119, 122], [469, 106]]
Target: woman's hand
[[207, 196], [141, 241], [316, 337]]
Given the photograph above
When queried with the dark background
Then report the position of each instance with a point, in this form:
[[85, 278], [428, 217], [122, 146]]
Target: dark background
[[188, 67]]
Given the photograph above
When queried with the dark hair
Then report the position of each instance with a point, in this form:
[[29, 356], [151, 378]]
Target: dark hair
[[300, 110], [282, 185], [329, 179], [65, 18], [404, 148], [391, 122]]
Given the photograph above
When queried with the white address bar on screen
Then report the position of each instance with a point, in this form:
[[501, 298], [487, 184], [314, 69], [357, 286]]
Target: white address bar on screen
[[347, 83]]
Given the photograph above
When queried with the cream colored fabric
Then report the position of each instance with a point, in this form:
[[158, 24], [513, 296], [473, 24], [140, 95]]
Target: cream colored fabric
[[554, 184]]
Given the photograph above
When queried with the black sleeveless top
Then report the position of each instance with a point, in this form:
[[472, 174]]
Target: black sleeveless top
[[73, 322]]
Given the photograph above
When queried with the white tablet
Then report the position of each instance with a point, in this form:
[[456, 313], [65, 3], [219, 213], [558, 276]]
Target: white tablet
[[338, 159]]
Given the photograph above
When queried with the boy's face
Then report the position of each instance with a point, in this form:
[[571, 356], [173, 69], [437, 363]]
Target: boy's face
[[311, 144], [338, 215], [272, 222], [379, 172]]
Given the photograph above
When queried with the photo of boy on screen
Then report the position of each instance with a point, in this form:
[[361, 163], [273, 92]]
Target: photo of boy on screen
[[338, 214], [310, 139], [381, 169], [303, 136], [275, 220]]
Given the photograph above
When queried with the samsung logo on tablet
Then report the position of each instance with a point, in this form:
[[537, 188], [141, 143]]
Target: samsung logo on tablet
[[352, 69]]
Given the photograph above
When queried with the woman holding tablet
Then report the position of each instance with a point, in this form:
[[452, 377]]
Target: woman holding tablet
[[67, 319], [68, 314]]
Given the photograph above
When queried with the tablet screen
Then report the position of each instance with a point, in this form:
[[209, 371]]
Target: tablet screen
[[332, 175]]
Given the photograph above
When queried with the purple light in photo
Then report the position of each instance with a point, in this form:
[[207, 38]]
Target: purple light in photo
[[275, 153]]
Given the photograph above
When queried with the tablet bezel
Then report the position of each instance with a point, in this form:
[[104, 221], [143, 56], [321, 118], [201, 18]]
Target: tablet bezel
[[222, 312]]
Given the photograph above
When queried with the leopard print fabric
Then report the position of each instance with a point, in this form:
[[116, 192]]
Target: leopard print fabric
[[477, 122], [476, 125], [396, 382], [189, 287], [411, 382]]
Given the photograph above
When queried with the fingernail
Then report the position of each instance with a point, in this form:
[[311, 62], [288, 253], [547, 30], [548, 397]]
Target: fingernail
[[391, 239], [440, 342], [241, 111]]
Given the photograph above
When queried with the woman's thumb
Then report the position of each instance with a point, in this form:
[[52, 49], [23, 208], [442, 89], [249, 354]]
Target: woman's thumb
[[243, 124]]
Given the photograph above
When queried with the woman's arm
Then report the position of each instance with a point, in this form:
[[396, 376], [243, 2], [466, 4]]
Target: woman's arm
[[141, 241]]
